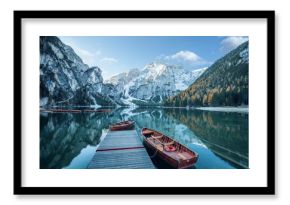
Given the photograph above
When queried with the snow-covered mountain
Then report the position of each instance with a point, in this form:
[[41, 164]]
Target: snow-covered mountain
[[66, 80], [153, 84]]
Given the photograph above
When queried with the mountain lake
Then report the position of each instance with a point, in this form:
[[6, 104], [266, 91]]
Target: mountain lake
[[69, 140]]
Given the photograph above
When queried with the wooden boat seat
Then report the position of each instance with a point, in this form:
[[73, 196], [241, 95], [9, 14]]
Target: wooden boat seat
[[168, 143], [148, 132], [160, 147], [184, 155], [179, 155], [156, 136]]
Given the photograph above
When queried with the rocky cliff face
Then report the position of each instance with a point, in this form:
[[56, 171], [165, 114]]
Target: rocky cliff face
[[65, 79]]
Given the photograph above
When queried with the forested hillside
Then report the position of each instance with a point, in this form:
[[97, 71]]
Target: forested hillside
[[225, 83]]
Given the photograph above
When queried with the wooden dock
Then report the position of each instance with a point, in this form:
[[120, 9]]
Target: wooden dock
[[121, 150]]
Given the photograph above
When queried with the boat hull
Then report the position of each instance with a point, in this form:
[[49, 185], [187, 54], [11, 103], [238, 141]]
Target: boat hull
[[167, 158], [127, 126]]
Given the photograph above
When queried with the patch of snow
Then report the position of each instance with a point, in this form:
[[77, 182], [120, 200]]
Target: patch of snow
[[43, 101], [127, 87], [128, 101], [239, 61], [57, 52], [200, 70], [95, 106], [244, 55], [50, 86], [180, 86], [71, 80], [160, 99]]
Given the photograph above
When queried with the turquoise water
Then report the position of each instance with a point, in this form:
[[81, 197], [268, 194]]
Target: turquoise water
[[221, 138]]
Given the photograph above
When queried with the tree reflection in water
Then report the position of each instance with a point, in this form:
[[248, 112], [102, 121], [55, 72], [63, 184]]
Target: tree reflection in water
[[221, 137]]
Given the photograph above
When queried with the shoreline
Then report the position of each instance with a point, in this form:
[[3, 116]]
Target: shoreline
[[225, 109], [214, 109]]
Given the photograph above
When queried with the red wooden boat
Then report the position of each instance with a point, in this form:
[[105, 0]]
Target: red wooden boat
[[125, 125], [168, 150]]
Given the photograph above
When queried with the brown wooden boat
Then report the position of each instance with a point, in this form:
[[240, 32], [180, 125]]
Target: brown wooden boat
[[125, 125], [168, 150]]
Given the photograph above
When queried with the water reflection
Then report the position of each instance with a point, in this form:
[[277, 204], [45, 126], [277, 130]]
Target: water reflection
[[226, 134], [221, 139], [64, 135]]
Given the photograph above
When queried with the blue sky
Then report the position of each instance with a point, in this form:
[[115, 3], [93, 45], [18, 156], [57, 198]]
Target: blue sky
[[116, 54]]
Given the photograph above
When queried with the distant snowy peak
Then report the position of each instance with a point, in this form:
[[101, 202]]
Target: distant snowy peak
[[156, 69], [124, 77], [154, 83]]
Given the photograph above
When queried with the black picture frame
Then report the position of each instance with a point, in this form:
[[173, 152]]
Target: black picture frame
[[19, 189]]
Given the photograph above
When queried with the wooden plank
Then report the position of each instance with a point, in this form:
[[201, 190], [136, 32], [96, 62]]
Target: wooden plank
[[121, 152], [121, 139], [122, 159]]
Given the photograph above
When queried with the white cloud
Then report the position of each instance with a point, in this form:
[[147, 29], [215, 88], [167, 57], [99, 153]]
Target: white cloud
[[109, 60], [185, 56], [188, 59], [232, 42]]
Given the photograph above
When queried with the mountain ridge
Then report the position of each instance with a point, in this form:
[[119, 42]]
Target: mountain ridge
[[154, 83], [65, 79], [225, 83]]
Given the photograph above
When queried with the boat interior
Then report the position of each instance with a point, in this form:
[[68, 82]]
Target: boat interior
[[167, 145]]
